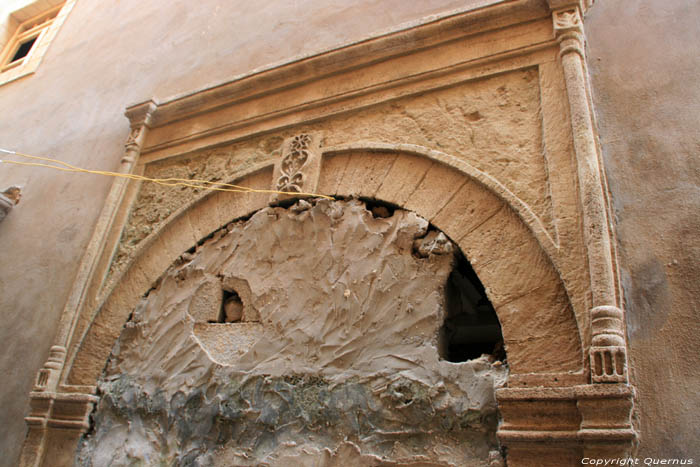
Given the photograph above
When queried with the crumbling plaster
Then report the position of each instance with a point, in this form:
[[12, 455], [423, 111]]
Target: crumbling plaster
[[335, 362], [533, 305]]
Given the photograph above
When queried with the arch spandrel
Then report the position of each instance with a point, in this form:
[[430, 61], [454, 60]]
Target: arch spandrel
[[539, 327]]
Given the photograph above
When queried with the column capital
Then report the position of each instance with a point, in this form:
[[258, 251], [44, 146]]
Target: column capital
[[568, 29], [140, 117]]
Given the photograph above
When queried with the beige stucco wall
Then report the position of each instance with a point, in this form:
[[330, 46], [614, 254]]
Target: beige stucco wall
[[644, 64]]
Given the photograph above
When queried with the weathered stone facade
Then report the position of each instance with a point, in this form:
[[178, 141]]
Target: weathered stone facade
[[479, 122]]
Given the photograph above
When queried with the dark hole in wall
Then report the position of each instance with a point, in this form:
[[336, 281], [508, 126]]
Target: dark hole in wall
[[231, 308], [471, 327], [378, 208], [287, 201]]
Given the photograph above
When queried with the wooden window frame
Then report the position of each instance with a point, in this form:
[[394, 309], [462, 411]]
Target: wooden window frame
[[43, 28]]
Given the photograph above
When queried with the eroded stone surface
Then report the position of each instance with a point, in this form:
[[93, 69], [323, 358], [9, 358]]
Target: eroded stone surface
[[493, 123], [335, 360]]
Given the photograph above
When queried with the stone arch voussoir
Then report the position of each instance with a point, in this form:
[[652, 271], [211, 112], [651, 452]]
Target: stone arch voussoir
[[507, 247]]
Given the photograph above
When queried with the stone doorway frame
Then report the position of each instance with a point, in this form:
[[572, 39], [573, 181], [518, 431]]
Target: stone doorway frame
[[568, 395]]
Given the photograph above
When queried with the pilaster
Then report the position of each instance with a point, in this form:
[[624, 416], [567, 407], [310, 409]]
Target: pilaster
[[608, 353], [58, 419]]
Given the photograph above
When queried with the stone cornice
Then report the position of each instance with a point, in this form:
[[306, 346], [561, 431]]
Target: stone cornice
[[415, 37], [583, 5], [347, 74]]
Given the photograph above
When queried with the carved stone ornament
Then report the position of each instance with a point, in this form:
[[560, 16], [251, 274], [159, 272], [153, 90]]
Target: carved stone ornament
[[568, 28], [608, 352], [298, 169], [567, 20], [133, 135]]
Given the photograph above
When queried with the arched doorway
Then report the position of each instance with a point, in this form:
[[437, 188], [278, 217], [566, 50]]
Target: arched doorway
[[495, 232], [509, 255], [324, 332]]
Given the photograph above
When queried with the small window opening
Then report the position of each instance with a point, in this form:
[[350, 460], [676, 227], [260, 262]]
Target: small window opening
[[471, 326], [23, 50], [231, 308]]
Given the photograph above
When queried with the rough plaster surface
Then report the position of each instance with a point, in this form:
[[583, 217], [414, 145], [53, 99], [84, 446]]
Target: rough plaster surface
[[105, 57], [335, 361], [491, 125], [645, 68]]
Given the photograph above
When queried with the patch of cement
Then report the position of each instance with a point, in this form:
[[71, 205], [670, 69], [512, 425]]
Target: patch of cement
[[334, 362]]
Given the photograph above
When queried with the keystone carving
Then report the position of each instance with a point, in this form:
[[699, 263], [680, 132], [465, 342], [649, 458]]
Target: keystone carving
[[299, 168]]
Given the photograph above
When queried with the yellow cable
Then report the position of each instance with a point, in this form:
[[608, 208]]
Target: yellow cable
[[191, 183]]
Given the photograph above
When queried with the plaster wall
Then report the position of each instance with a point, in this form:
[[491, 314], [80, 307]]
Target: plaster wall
[[332, 356], [644, 63], [108, 55]]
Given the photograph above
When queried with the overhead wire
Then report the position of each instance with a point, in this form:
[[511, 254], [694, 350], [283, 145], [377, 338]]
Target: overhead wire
[[184, 182]]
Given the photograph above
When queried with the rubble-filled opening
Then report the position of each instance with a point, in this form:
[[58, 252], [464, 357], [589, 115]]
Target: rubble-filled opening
[[314, 310], [471, 327], [231, 308]]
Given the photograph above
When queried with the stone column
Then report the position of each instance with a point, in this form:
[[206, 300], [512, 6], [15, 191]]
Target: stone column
[[568, 29], [140, 118], [606, 428], [57, 419], [559, 426]]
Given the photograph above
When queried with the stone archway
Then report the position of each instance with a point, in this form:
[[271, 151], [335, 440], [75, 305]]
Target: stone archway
[[540, 330], [539, 327], [502, 87]]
